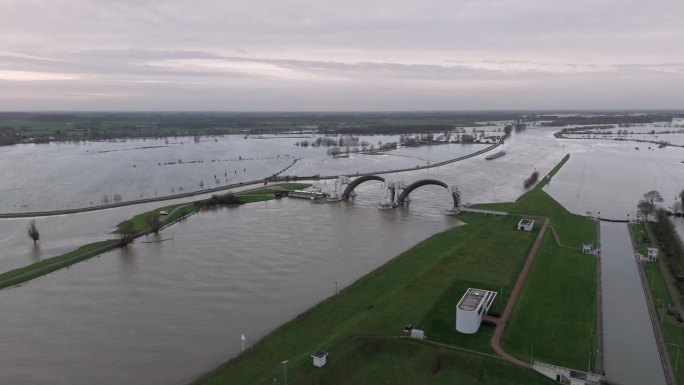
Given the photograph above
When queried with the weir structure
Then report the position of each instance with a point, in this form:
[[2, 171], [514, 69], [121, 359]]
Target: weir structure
[[396, 192]]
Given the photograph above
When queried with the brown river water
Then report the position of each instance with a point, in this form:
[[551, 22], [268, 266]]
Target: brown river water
[[164, 313]]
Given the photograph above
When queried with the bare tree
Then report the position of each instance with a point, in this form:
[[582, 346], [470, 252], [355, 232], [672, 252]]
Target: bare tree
[[153, 221], [645, 207], [33, 232], [126, 232], [648, 204], [681, 198], [653, 197]]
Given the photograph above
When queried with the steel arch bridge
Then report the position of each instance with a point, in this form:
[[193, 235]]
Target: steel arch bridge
[[347, 192], [415, 185]]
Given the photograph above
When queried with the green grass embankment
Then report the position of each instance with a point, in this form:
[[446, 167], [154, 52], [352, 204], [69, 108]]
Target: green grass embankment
[[268, 193], [554, 320], [46, 266], [175, 212], [421, 286], [406, 361]]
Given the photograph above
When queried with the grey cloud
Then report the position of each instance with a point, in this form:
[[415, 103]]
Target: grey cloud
[[346, 55]]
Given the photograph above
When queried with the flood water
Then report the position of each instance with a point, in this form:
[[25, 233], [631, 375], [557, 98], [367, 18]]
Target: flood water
[[611, 178], [478, 179], [53, 176], [163, 313], [630, 351]]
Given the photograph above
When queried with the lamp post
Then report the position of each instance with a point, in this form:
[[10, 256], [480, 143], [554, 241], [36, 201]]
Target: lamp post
[[284, 363], [650, 275], [677, 359], [242, 338], [591, 345]]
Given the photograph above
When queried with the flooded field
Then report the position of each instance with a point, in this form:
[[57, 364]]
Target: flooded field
[[163, 313]]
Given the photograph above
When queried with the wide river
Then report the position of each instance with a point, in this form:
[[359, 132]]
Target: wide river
[[163, 313]]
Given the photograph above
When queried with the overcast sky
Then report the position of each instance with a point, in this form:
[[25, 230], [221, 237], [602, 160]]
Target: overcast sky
[[308, 55]]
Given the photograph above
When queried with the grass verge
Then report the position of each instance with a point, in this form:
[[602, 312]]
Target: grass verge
[[554, 320], [402, 361], [671, 329]]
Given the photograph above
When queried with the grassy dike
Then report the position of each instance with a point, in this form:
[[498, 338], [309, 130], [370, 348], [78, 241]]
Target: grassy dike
[[176, 212], [555, 318], [361, 326]]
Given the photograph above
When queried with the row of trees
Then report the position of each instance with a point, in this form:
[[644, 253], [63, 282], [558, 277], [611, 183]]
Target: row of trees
[[648, 205], [670, 244]]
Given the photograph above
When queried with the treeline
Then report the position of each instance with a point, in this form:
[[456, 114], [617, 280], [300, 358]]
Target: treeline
[[670, 244], [223, 199], [387, 129], [557, 121]]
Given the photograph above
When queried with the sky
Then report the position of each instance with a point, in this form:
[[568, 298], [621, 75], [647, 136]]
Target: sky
[[319, 55]]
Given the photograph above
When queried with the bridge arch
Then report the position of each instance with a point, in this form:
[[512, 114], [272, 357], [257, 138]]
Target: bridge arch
[[417, 184], [358, 181]]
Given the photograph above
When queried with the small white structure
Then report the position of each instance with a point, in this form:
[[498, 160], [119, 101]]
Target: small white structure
[[526, 224], [652, 254], [474, 304], [319, 358], [417, 334], [587, 248], [163, 212]]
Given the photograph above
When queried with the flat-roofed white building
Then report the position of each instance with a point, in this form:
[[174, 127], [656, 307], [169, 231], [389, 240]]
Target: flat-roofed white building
[[526, 224], [474, 304]]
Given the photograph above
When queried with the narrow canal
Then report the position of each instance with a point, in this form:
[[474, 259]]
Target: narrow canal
[[630, 352]]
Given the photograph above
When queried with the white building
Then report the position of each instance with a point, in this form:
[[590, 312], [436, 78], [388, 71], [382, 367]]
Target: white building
[[652, 254], [417, 334], [474, 304], [319, 358], [526, 224], [587, 248]]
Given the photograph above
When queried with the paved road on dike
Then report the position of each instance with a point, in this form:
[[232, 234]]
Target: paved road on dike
[[503, 320]]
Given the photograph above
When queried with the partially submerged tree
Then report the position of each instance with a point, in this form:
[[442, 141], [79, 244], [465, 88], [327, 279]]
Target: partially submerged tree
[[645, 208], [126, 232], [33, 232], [647, 205], [653, 197], [153, 221]]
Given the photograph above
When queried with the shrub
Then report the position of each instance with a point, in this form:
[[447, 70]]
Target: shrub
[[225, 199]]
